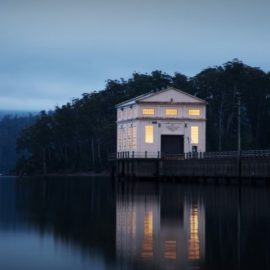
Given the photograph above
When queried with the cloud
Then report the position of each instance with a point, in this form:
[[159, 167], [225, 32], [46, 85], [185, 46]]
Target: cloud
[[52, 51]]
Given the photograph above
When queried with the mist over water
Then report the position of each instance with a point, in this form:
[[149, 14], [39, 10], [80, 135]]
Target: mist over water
[[93, 223]]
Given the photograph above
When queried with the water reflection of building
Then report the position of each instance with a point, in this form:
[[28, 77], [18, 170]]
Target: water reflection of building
[[195, 224], [136, 227], [165, 230]]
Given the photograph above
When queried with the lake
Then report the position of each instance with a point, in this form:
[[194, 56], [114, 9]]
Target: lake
[[94, 223]]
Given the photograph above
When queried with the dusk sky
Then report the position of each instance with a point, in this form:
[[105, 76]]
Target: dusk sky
[[52, 51]]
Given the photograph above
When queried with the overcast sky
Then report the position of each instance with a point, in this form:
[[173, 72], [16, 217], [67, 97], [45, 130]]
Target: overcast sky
[[52, 51]]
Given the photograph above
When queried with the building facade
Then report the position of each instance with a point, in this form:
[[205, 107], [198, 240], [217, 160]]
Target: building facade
[[169, 121]]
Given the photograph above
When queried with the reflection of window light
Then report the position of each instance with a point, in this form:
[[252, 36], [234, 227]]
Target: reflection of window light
[[194, 112], [195, 134], [170, 250], [149, 134], [149, 111], [133, 223], [147, 248], [171, 111], [194, 240]]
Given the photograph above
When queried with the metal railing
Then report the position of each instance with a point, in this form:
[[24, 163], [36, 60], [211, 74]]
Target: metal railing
[[189, 155]]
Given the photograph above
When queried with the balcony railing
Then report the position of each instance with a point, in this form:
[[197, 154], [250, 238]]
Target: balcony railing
[[189, 155]]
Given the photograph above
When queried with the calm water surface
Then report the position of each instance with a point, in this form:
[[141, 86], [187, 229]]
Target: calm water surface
[[91, 223]]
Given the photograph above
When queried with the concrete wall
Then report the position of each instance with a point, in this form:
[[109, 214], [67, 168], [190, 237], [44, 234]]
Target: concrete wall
[[218, 167]]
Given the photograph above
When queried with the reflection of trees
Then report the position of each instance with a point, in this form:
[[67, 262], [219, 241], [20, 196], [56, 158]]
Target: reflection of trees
[[178, 226], [77, 210]]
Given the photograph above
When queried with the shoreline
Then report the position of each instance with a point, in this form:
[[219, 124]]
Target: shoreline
[[78, 174]]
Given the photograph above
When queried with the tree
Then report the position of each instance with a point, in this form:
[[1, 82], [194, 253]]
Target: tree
[[79, 135]]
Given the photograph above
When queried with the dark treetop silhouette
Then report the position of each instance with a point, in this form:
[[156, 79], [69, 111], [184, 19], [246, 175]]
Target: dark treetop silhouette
[[79, 135]]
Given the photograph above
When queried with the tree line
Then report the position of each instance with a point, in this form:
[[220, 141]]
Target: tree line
[[79, 135], [10, 128]]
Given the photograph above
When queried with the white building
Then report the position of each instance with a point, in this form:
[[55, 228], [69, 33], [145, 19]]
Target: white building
[[169, 121]]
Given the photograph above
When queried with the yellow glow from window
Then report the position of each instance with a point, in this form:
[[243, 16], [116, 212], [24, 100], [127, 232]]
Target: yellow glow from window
[[195, 134], [171, 111], [148, 111], [149, 134], [194, 112]]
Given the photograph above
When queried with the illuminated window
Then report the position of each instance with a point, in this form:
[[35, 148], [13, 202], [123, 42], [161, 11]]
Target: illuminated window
[[134, 136], [195, 134], [124, 138], [130, 138], [148, 111], [194, 112], [149, 134], [171, 111], [119, 140]]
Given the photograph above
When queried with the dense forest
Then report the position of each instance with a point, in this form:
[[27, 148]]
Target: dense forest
[[79, 135], [10, 127]]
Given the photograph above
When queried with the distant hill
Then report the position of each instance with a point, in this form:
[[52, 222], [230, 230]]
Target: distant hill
[[11, 125], [13, 113]]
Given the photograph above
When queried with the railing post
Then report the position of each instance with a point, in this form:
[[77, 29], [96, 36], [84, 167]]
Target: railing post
[[158, 154], [145, 154], [132, 154]]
